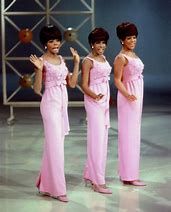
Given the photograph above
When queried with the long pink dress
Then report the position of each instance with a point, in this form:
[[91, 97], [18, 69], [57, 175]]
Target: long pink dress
[[129, 120], [97, 122], [55, 120]]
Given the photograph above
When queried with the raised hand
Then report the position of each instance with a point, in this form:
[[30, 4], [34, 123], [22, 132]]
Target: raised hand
[[38, 63], [75, 55]]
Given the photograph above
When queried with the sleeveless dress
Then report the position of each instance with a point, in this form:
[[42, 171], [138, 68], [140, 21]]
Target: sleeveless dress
[[129, 120], [54, 113], [97, 122]]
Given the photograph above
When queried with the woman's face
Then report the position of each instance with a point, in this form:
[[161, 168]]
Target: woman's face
[[130, 42], [99, 47], [53, 46]]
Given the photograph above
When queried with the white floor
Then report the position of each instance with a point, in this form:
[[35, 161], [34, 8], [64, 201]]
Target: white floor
[[20, 158]]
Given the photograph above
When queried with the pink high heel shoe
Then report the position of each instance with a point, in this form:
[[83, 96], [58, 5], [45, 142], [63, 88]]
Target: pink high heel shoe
[[62, 198], [134, 183], [101, 189]]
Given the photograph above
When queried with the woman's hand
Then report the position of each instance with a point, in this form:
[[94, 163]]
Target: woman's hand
[[75, 55], [131, 98], [38, 63], [99, 96]]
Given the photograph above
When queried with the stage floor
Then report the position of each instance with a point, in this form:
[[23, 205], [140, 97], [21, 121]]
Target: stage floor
[[20, 159]]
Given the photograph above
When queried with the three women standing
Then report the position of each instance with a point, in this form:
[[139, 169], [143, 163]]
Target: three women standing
[[51, 69]]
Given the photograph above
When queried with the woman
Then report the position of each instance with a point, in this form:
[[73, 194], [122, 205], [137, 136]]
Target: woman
[[51, 69], [95, 76], [128, 79]]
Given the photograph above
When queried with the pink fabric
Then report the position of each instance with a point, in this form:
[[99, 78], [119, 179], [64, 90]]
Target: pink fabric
[[56, 125], [97, 123], [129, 120]]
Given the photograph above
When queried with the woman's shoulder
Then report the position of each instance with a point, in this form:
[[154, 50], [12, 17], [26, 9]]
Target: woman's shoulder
[[61, 58], [87, 59], [120, 57]]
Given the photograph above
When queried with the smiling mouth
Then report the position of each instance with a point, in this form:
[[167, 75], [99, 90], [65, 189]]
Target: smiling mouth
[[55, 49]]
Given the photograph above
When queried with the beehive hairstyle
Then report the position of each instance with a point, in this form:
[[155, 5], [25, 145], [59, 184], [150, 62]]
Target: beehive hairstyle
[[126, 29], [98, 34], [49, 32]]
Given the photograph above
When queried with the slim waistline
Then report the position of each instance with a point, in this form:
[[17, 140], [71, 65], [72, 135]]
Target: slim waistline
[[99, 80], [132, 78], [54, 84]]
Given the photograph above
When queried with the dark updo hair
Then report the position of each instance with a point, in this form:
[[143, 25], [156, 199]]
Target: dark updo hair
[[98, 34], [126, 29], [49, 32]]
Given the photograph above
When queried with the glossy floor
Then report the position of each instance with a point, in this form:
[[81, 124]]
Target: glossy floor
[[20, 158]]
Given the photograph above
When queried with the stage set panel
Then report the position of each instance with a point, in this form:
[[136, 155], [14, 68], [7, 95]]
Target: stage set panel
[[21, 23]]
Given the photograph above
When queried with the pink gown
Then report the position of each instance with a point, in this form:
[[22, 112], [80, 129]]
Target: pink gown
[[129, 120], [97, 122], [55, 120]]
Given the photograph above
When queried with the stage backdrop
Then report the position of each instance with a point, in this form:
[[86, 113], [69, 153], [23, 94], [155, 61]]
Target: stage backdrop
[[153, 19]]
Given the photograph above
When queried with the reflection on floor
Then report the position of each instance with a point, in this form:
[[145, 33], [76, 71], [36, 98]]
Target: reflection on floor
[[20, 157]]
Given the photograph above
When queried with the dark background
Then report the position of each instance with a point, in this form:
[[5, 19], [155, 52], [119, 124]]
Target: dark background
[[153, 19]]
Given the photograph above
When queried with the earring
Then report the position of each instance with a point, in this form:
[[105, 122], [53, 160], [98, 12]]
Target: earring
[[92, 47], [122, 43], [45, 47]]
